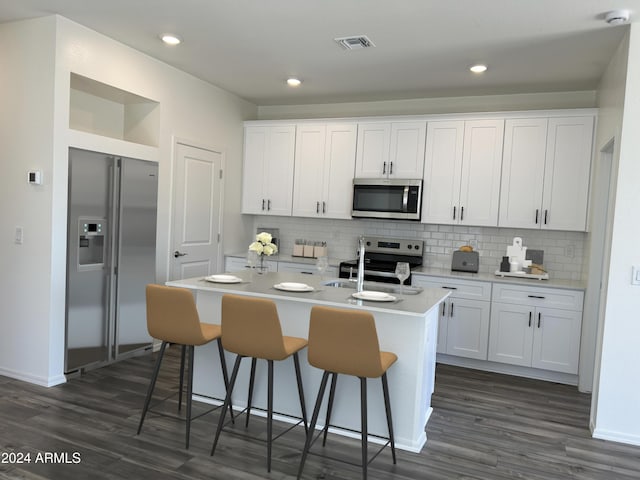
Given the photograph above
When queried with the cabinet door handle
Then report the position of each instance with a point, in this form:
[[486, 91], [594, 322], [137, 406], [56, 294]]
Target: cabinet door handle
[[317, 207], [536, 296], [444, 309], [529, 319], [324, 207], [269, 204], [384, 168], [263, 204], [390, 168], [539, 317], [449, 288], [451, 310], [454, 212], [545, 216], [537, 213], [461, 213]]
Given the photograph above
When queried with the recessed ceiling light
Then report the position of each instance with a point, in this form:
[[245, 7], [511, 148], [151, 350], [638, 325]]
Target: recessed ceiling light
[[294, 82], [478, 68], [170, 39]]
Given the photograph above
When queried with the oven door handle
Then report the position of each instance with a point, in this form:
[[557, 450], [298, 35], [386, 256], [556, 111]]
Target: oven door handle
[[405, 199]]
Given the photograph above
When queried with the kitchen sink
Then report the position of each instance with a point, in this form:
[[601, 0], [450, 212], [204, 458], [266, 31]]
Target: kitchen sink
[[375, 286]]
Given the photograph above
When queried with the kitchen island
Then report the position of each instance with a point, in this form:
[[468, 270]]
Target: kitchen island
[[406, 326]]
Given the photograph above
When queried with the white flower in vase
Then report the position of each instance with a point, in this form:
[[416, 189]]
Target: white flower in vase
[[263, 246]]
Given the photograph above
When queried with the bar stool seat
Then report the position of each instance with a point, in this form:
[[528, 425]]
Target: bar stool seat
[[251, 328], [172, 317], [345, 341]]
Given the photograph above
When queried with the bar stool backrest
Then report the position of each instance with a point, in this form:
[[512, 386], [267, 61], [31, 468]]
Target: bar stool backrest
[[172, 316], [344, 341], [251, 327]]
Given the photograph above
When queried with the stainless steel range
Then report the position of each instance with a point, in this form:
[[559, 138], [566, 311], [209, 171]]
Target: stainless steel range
[[380, 257]]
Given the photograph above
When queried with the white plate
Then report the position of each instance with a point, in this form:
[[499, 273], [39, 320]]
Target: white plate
[[223, 279], [293, 287], [374, 296]]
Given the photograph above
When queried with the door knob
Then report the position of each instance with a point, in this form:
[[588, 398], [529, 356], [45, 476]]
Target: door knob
[[178, 253]]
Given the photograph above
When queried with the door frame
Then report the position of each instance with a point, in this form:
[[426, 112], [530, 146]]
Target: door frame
[[175, 141]]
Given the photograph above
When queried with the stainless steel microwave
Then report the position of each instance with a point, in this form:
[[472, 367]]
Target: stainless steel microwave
[[399, 199]]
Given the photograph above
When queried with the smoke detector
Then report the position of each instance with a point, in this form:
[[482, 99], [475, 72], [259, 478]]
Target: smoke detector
[[354, 43], [617, 17]]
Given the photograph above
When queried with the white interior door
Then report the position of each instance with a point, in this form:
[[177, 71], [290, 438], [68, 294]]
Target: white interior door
[[197, 207]]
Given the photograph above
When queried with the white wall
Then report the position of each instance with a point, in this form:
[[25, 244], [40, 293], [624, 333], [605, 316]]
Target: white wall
[[27, 55], [617, 395], [36, 59]]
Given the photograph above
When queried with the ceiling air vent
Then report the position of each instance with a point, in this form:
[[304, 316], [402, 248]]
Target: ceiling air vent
[[354, 43]]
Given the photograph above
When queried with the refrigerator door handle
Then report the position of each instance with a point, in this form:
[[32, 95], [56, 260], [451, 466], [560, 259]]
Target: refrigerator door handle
[[112, 271]]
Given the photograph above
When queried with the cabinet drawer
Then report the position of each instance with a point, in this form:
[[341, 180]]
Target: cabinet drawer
[[468, 289], [305, 268], [538, 296]]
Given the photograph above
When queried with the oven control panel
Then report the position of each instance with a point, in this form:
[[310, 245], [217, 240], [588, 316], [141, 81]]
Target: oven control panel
[[395, 246]]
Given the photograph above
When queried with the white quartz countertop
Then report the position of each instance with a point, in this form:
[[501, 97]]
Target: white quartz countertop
[[262, 285], [491, 277], [447, 273]]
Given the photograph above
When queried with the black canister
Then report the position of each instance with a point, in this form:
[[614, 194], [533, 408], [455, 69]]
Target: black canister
[[504, 265]]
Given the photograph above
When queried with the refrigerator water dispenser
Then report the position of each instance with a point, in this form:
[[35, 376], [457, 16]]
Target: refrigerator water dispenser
[[91, 244]]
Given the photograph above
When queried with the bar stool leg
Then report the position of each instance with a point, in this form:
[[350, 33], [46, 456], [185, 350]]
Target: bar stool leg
[[363, 420], [269, 412], [225, 375], [314, 420], [190, 356], [227, 402], [387, 408], [152, 385], [296, 363], [252, 378], [332, 393], [182, 352]]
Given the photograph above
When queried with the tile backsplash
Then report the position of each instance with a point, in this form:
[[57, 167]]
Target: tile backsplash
[[564, 252]]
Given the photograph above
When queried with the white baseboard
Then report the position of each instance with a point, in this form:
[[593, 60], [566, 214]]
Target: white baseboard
[[35, 379], [613, 436]]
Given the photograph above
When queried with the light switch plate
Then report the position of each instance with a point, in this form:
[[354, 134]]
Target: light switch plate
[[635, 275], [19, 235]]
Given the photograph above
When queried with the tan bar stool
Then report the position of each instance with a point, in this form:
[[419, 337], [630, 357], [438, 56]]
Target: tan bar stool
[[344, 341], [173, 318], [251, 328]]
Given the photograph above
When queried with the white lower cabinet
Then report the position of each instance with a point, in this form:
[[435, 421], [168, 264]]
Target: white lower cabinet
[[536, 327], [239, 264], [306, 268], [463, 327]]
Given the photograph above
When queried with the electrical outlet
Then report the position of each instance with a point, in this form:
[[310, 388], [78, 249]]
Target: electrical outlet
[[569, 251], [635, 275]]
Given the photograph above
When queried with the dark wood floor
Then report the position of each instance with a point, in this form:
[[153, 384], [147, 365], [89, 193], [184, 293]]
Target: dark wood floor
[[484, 426]]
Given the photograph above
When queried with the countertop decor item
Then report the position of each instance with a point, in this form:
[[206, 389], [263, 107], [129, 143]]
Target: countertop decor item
[[263, 246]]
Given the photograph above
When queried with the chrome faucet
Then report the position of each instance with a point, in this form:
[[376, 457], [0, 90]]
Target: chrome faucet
[[360, 280]]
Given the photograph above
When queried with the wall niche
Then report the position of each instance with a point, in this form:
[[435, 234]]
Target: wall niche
[[101, 109]]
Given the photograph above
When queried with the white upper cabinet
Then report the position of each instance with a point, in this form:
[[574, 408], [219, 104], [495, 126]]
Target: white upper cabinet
[[390, 150], [324, 164], [462, 172], [545, 176], [268, 169], [566, 173], [525, 143]]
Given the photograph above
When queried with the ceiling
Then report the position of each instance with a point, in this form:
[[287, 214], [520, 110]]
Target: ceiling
[[423, 48]]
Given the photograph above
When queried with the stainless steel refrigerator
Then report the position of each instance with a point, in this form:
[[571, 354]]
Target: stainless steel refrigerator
[[111, 244]]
